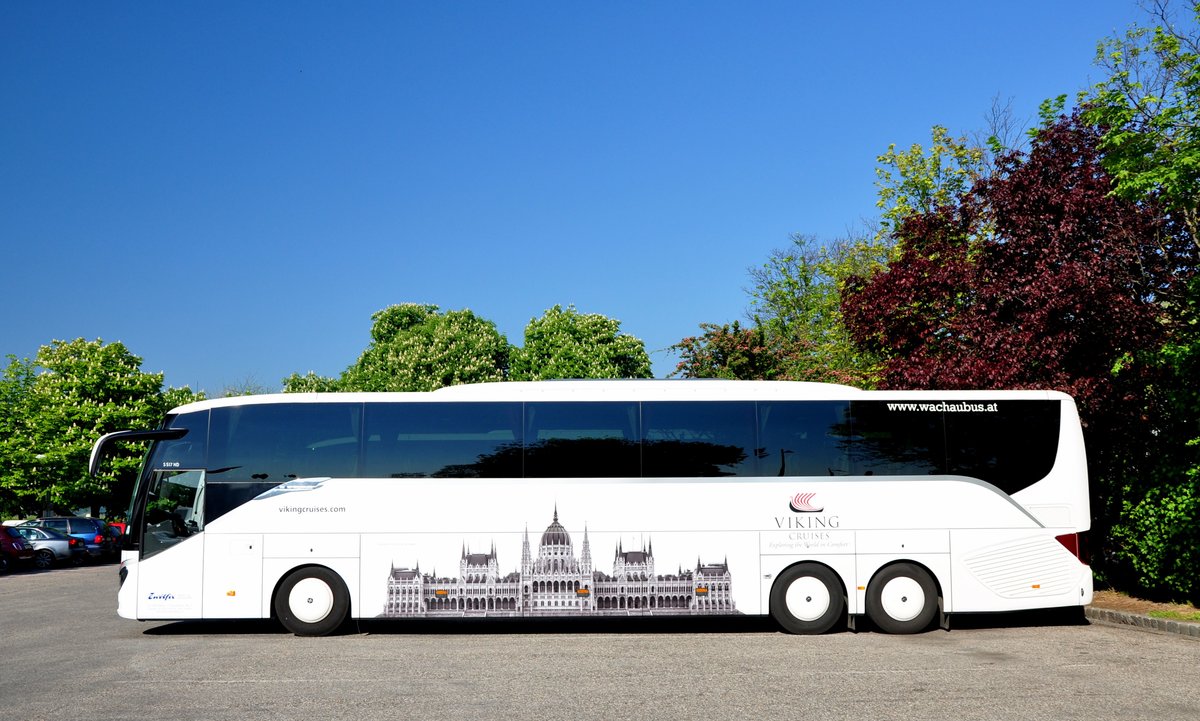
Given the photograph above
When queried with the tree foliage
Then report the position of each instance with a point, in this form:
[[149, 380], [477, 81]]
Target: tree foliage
[[796, 308], [1040, 277], [1149, 108], [54, 409], [916, 181], [1062, 289], [418, 348], [565, 343], [310, 382], [797, 331], [730, 351]]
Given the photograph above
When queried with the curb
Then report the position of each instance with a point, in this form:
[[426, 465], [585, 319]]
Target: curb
[[1165, 625]]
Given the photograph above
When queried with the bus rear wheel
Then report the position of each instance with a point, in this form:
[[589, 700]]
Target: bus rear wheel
[[902, 598], [807, 598], [312, 601]]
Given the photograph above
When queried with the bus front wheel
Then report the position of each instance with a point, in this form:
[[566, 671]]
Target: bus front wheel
[[902, 598], [807, 598], [312, 601]]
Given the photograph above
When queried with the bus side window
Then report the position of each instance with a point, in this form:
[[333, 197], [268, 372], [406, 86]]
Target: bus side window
[[804, 438], [442, 440], [690, 439], [889, 442], [581, 440], [279, 442]]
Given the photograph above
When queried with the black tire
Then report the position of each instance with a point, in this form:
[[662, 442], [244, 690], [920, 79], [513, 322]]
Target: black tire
[[3, 564], [902, 598], [807, 598], [43, 559], [312, 601]]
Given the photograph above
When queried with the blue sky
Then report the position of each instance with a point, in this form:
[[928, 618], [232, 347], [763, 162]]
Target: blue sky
[[232, 189]]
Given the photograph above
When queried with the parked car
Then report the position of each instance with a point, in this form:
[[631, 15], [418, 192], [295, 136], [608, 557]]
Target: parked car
[[118, 537], [13, 548], [50, 546], [92, 531]]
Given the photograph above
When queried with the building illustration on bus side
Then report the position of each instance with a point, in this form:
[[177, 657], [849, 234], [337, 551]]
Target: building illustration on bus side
[[556, 582]]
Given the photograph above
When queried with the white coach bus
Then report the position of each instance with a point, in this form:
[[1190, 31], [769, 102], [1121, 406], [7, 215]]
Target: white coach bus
[[813, 503]]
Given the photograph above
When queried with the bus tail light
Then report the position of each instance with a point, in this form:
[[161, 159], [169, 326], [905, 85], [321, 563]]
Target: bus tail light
[[1076, 543]]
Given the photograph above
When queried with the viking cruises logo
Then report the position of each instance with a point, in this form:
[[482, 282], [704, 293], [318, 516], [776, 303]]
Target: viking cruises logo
[[803, 503]]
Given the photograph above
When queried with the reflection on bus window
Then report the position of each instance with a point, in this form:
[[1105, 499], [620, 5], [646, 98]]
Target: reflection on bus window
[[174, 509], [695, 440], [804, 438], [580, 440]]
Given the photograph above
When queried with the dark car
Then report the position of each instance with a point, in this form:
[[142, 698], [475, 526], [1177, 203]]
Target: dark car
[[13, 548], [50, 546], [118, 538], [92, 531]]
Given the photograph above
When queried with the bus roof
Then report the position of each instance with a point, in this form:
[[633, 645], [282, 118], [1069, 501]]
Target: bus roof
[[623, 390]]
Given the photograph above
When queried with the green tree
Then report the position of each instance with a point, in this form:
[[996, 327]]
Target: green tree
[[1149, 108], [915, 181], [795, 303], [56, 406], [565, 343], [17, 487], [730, 351], [417, 348], [310, 382]]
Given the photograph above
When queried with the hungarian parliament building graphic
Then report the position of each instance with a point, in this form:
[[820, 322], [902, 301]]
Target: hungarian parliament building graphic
[[556, 583]]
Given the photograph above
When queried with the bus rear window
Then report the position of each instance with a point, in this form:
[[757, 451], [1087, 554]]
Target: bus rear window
[[1011, 447]]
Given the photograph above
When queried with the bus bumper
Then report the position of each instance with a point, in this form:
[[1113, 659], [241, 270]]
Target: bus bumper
[[127, 591], [1085, 587]]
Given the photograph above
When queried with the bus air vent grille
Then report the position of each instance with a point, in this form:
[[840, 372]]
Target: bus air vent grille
[[1025, 568]]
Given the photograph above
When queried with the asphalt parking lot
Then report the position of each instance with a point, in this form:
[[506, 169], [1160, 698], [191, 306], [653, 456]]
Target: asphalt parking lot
[[67, 655]]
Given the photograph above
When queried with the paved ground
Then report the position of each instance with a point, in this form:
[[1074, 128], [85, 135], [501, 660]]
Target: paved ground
[[68, 656]]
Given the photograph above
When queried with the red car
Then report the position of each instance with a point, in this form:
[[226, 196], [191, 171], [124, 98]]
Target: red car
[[13, 548]]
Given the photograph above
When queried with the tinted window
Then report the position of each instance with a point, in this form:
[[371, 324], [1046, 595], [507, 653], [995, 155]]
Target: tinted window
[[191, 451], [698, 439], [1010, 444], [888, 442], [804, 439], [443, 440], [220, 498], [174, 509], [86, 525], [278, 442], [579, 440]]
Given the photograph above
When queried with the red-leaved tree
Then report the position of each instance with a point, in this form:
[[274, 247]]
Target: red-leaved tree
[[1038, 277]]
